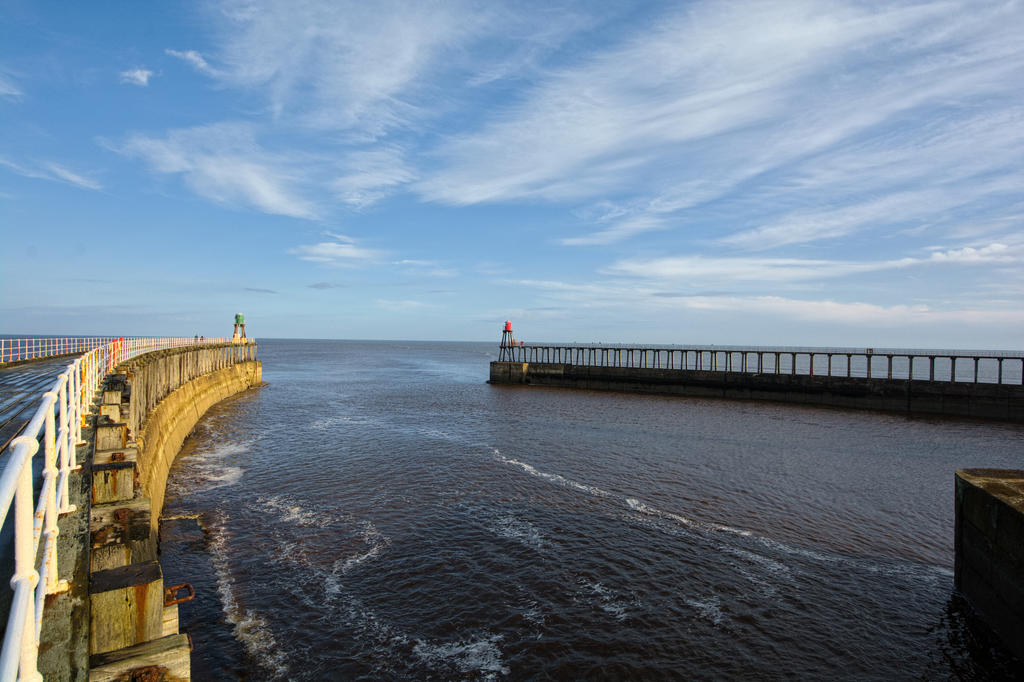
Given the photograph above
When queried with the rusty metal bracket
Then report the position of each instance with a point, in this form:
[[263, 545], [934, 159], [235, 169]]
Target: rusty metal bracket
[[170, 594]]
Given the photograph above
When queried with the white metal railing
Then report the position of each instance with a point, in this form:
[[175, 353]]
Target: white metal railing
[[58, 421], [999, 367], [33, 348]]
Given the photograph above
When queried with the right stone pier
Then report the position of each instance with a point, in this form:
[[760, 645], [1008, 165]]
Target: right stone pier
[[990, 548]]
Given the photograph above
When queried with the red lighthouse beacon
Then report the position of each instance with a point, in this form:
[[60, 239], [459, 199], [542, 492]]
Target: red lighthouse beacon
[[508, 342]]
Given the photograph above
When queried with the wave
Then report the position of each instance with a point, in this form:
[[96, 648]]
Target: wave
[[631, 503], [520, 530], [474, 656], [249, 626], [208, 469]]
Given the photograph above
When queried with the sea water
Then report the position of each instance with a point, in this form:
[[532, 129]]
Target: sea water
[[378, 511]]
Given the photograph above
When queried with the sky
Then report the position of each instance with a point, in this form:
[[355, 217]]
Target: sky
[[819, 173]]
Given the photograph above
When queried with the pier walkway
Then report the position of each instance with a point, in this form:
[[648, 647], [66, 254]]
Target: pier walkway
[[997, 367], [48, 401], [21, 386], [976, 384]]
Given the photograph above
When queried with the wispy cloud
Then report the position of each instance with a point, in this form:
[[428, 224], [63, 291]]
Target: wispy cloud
[[225, 163], [704, 270], [72, 177], [404, 305], [370, 175], [260, 291], [426, 267], [339, 65], [612, 297], [8, 86], [48, 170], [717, 96], [341, 251], [326, 285], [136, 76], [194, 58]]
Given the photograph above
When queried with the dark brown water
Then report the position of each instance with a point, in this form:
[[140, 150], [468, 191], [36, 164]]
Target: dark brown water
[[380, 512]]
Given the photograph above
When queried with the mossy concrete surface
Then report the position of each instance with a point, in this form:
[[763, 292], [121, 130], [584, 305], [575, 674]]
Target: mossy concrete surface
[[990, 549]]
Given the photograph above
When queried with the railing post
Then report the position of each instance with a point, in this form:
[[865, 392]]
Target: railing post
[[25, 576]]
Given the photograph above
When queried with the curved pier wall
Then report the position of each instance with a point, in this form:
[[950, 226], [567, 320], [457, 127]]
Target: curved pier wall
[[1003, 402], [169, 394], [145, 412]]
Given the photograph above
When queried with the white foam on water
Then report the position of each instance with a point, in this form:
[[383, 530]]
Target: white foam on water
[[607, 599], [632, 503], [328, 423], [207, 470], [534, 614], [222, 476], [520, 530], [767, 563], [707, 608], [287, 510], [476, 655], [250, 628], [557, 479], [313, 574], [638, 506], [377, 543]]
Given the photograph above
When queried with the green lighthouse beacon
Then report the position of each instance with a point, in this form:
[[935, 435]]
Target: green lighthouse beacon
[[239, 335]]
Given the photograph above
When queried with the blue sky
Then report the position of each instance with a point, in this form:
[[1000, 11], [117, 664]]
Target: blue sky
[[802, 173]]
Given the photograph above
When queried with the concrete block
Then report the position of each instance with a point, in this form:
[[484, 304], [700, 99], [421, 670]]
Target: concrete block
[[989, 539], [126, 606], [111, 411], [170, 622], [120, 533], [114, 475], [110, 435]]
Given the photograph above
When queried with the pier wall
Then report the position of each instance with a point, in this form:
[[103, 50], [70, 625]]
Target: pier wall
[[123, 617], [990, 549], [1003, 402], [162, 423]]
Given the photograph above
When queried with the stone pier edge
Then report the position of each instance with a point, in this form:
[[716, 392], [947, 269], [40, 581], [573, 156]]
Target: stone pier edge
[[65, 639], [1001, 402]]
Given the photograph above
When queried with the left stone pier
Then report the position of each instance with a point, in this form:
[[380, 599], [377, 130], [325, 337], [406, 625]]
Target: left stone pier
[[120, 621]]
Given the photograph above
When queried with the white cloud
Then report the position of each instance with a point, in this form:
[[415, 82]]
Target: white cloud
[[340, 252], [224, 162], [8, 88], [72, 177], [404, 305], [371, 175], [426, 267], [614, 298], [339, 65], [48, 170], [619, 230], [194, 58], [705, 270], [718, 96], [696, 74], [136, 76]]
